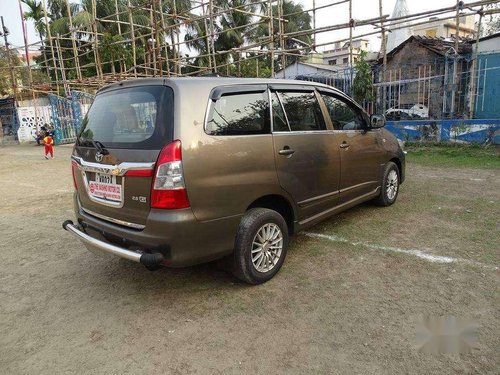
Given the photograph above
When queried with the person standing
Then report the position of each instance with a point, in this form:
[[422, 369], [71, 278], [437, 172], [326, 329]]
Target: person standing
[[48, 141]]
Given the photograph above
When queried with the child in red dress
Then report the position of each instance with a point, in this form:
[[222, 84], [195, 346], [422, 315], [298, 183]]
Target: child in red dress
[[49, 147]]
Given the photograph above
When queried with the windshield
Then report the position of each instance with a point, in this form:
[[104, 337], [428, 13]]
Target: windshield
[[137, 117]]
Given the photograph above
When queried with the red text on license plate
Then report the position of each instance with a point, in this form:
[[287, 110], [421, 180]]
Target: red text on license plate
[[106, 191]]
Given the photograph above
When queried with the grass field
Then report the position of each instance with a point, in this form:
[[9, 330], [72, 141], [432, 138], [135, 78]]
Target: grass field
[[348, 300], [451, 155]]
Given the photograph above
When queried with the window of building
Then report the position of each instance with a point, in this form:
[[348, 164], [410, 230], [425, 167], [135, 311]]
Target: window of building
[[343, 115], [431, 33], [345, 60], [302, 111], [332, 62], [241, 114]]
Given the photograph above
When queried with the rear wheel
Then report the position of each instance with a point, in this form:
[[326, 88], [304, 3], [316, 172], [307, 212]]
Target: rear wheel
[[260, 246], [389, 186]]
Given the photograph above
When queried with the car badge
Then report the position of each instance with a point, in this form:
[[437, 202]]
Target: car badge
[[98, 157]]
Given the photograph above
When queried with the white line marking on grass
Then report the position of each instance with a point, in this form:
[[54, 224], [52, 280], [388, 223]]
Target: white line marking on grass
[[418, 253]]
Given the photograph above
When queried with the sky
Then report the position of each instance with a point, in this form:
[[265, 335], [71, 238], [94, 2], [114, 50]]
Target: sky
[[362, 9]]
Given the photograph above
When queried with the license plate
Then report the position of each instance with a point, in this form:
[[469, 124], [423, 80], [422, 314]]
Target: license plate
[[105, 187], [105, 178]]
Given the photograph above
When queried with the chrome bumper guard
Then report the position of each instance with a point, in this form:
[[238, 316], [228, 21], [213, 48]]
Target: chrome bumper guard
[[151, 261]]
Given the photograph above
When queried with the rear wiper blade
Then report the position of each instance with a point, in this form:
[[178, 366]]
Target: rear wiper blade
[[100, 147]]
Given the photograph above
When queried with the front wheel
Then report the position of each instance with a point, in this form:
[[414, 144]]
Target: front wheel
[[389, 186], [260, 246]]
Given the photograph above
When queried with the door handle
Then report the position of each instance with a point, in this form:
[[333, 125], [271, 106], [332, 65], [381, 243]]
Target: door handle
[[344, 145], [286, 151]]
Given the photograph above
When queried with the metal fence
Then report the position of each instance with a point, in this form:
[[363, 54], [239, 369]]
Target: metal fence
[[447, 88], [67, 115]]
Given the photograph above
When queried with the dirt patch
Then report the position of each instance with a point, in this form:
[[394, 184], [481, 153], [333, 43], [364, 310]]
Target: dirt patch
[[334, 308]]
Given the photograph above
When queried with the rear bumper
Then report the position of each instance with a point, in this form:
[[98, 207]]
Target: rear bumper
[[95, 245], [177, 235]]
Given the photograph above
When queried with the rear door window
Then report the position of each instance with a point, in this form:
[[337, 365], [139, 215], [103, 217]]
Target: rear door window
[[135, 117], [239, 114], [302, 111]]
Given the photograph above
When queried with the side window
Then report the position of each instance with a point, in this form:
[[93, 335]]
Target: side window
[[302, 111], [279, 119], [240, 114], [343, 115]]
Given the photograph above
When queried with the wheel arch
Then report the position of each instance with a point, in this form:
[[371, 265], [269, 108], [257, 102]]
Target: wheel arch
[[400, 167], [279, 204]]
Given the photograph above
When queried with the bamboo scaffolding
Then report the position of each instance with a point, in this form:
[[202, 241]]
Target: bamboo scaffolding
[[167, 59]]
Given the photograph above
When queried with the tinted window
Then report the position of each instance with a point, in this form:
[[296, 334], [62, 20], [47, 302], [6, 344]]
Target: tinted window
[[240, 114], [302, 111], [279, 119], [343, 115], [137, 117]]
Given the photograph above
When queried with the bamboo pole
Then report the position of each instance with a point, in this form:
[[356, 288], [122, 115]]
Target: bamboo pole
[[472, 94], [350, 34], [131, 20], [30, 73], [271, 35], [9, 63], [207, 39], [123, 64], [96, 41], [384, 49], [163, 37], [61, 63], [176, 40], [212, 33], [281, 36], [73, 42]]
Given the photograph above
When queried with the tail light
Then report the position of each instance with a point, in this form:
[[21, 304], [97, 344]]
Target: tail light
[[168, 190], [74, 170]]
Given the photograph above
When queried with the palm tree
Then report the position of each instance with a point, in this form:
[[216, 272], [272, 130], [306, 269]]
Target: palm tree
[[37, 14], [236, 27]]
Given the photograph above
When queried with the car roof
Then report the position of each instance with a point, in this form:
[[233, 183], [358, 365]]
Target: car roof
[[211, 82]]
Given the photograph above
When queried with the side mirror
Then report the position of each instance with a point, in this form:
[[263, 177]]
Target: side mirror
[[377, 121]]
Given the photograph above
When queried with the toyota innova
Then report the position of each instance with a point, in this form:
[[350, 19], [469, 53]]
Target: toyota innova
[[176, 172]]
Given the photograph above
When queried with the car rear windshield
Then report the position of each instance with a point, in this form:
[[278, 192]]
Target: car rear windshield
[[135, 117]]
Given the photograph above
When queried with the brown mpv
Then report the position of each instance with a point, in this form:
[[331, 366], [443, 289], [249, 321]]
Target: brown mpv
[[182, 171]]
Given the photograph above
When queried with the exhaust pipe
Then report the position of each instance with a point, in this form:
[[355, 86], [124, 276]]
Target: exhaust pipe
[[150, 261]]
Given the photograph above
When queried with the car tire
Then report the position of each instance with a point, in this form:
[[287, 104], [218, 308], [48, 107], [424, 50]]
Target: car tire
[[260, 246], [389, 185]]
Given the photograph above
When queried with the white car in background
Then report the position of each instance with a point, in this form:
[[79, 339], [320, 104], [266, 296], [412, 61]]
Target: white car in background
[[415, 112]]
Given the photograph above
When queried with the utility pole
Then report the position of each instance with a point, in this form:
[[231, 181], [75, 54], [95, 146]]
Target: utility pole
[[384, 54], [472, 91], [455, 58], [5, 32], [314, 24], [350, 33], [30, 73]]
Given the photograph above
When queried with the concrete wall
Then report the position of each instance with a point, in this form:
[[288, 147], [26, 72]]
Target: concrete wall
[[296, 69], [460, 131], [488, 45]]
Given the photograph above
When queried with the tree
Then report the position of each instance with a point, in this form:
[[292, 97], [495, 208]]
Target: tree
[[37, 14], [363, 82], [492, 24], [236, 29], [295, 20]]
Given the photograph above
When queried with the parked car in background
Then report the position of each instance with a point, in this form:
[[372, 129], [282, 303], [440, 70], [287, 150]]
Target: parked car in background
[[181, 171], [413, 112]]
